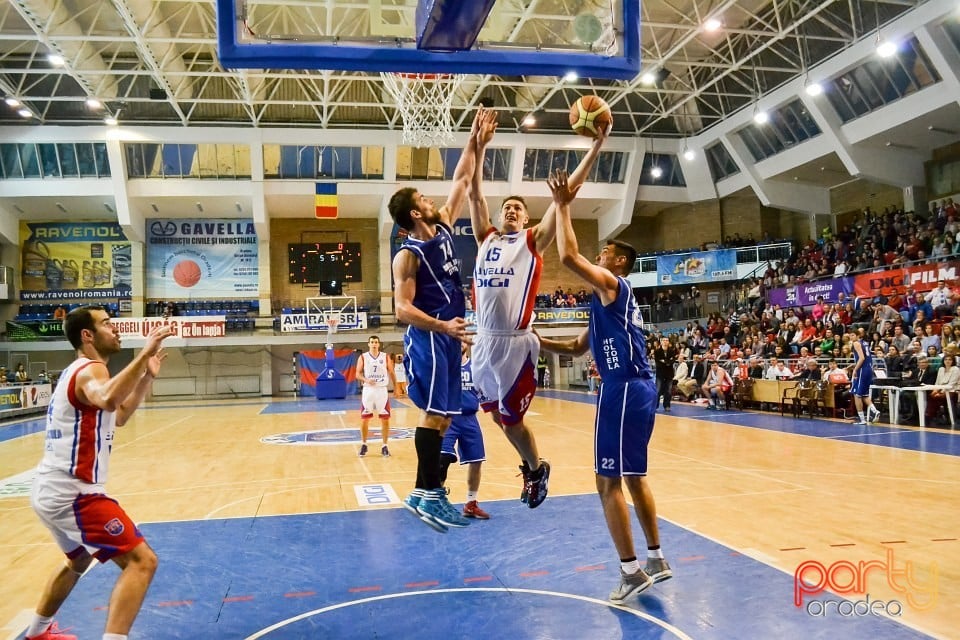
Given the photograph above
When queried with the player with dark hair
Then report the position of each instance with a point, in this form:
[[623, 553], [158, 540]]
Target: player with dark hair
[[506, 281], [860, 381], [428, 297], [628, 396], [374, 373], [68, 492]]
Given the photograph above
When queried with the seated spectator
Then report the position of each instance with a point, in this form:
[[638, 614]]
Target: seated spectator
[[686, 385], [717, 385], [948, 381], [940, 300], [755, 369], [811, 371], [778, 370], [20, 375], [894, 362], [930, 339], [3, 375], [60, 313]]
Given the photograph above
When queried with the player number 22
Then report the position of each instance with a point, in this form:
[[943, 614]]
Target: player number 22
[[607, 463]]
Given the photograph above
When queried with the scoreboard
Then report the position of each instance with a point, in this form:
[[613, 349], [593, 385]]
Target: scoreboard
[[318, 262]]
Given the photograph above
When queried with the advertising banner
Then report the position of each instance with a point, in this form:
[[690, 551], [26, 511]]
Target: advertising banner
[[183, 327], [921, 278], [29, 330], [74, 260], [25, 396], [202, 258], [318, 321], [312, 363], [700, 266], [802, 295]]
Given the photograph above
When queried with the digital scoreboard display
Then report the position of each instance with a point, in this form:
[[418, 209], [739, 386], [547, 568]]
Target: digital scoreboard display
[[318, 262]]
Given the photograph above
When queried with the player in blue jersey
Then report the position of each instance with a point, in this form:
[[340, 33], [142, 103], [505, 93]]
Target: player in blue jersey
[[860, 382], [628, 395], [428, 296], [465, 437]]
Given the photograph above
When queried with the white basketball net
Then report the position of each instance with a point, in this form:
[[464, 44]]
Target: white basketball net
[[333, 321], [424, 101]]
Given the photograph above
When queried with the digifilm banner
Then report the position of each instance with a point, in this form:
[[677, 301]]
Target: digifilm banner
[[921, 278], [802, 295], [202, 258], [700, 266], [73, 260]]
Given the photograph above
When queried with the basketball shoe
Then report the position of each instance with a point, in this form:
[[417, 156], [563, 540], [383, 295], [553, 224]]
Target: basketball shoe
[[658, 569], [384, 451], [873, 414], [412, 501], [473, 510], [434, 508], [53, 632], [631, 584], [535, 484], [363, 450]]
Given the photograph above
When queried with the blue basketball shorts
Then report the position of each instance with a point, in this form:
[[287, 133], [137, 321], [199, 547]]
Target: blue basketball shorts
[[433, 371], [860, 385], [624, 424], [464, 439]]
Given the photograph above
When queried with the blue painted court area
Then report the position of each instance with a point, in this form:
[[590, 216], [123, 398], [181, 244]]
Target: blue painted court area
[[19, 429], [926, 440], [350, 403], [383, 574]]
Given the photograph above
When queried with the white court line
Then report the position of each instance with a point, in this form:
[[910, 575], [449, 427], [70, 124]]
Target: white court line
[[18, 624], [666, 626], [867, 435]]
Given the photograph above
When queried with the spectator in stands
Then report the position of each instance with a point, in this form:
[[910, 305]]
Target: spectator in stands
[[60, 313], [930, 339], [755, 368], [3, 375], [900, 340], [804, 337], [686, 384], [894, 362], [948, 381], [777, 370], [939, 300], [829, 342], [20, 375], [946, 336]]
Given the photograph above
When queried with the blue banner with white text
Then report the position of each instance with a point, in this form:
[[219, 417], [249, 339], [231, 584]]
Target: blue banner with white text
[[696, 267]]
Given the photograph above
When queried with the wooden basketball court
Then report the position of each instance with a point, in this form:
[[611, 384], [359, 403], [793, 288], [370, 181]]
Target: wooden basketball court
[[775, 492]]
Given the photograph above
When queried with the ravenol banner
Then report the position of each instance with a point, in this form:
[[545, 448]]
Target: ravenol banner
[[74, 260], [700, 266], [202, 258]]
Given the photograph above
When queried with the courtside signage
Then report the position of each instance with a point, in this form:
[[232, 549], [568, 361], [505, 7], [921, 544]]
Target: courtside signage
[[375, 495], [914, 586]]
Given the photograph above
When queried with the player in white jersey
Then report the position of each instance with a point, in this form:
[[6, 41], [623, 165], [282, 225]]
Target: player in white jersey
[[505, 284], [374, 372], [68, 491]]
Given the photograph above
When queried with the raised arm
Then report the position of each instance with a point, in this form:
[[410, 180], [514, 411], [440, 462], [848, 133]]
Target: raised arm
[[462, 176], [405, 266], [603, 282], [546, 230], [486, 126], [132, 401]]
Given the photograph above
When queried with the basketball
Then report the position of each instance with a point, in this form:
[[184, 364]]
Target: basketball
[[590, 115], [186, 273]]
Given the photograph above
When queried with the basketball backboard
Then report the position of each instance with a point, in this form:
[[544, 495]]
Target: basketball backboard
[[593, 38]]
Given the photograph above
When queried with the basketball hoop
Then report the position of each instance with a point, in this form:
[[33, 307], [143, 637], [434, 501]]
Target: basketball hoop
[[424, 101], [333, 321]]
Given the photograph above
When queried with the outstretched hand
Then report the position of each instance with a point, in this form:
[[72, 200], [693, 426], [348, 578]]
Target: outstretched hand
[[485, 126], [560, 188], [153, 364]]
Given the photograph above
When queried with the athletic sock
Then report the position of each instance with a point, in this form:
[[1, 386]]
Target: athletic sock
[[655, 552], [630, 565], [428, 443], [863, 418], [472, 496], [114, 636], [39, 625]]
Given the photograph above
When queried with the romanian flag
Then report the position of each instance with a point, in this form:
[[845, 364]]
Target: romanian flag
[[326, 200]]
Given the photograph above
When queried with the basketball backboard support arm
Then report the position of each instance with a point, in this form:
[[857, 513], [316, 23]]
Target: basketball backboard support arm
[[236, 54]]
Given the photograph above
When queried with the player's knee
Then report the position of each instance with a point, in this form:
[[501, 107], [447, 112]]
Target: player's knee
[[80, 564]]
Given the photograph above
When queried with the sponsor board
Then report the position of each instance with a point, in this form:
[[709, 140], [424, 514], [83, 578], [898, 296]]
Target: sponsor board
[[318, 321], [183, 327]]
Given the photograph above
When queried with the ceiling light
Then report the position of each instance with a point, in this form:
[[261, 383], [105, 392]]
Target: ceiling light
[[25, 113], [529, 120], [656, 172], [689, 155], [949, 132], [649, 78], [712, 24], [199, 207], [814, 89], [886, 48], [12, 102], [110, 121], [761, 117], [93, 103], [56, 60], [571, 76]]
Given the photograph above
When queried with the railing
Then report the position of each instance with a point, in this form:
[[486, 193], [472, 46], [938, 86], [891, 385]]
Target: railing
[[745, 255]]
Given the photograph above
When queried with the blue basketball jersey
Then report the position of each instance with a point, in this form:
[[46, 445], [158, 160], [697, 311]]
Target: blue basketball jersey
[[439, 288], [867, 355], [616, 337], [471, 403]]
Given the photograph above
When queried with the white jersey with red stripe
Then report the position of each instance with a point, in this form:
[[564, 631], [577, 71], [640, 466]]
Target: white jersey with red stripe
[[79, 436], [505, 281], [375, 369]]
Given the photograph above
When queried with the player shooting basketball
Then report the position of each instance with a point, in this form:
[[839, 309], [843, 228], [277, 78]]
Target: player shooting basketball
[[506, 281]]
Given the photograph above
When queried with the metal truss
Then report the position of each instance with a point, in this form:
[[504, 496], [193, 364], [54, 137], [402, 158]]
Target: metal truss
[[154, 62]]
